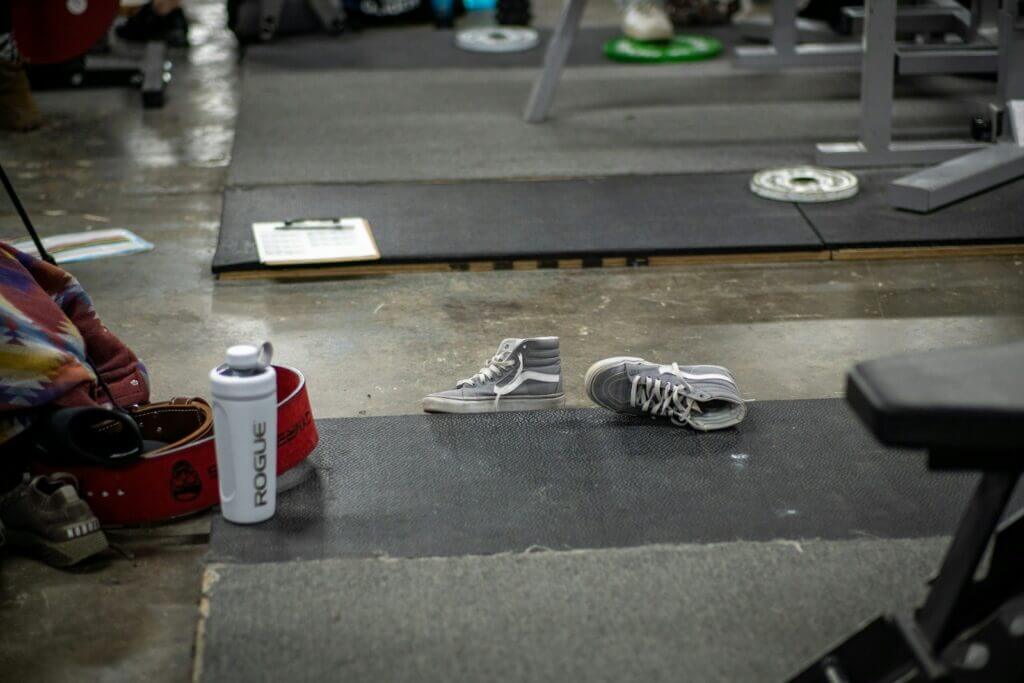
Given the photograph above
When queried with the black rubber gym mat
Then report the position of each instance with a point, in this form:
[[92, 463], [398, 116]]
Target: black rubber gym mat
[[447, 485], [333, 126], [502, 220], [423, 47], [868, 220]]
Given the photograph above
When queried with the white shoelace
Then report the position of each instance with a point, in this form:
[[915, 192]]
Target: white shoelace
[[496, 365], [664, 398]]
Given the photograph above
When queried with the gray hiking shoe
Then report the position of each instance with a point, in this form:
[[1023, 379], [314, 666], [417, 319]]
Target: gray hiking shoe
[[524, 374], [45, 516], [704, 397]]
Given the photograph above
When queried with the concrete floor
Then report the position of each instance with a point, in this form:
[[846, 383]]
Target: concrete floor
[[374, 346]]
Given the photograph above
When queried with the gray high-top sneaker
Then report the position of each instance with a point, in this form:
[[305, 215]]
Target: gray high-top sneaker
[[704, 397], [524, 374]]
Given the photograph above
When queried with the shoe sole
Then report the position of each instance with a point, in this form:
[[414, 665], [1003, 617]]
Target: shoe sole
[[600, 365], [435, 404], [58, 553]]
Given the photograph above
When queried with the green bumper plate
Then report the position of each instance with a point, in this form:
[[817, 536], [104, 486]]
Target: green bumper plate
[[679, 49]]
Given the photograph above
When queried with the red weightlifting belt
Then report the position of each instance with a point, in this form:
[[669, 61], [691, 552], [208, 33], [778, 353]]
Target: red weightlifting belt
[[181, 479]]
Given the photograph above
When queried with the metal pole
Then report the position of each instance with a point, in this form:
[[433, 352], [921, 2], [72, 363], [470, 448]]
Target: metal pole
[[1011, 53], [43, 254], [878, 74], [784, 30], [559, 44]]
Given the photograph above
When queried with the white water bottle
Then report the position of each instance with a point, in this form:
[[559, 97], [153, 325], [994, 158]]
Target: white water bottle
[[245, 431]]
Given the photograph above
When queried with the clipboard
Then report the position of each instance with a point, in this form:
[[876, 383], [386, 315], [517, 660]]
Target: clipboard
[[314, 240]]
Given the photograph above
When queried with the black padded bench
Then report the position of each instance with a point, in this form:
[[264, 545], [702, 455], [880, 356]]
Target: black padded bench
[[966, 407]]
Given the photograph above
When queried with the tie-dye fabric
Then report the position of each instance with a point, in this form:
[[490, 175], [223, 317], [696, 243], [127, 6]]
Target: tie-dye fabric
[[50, 341]]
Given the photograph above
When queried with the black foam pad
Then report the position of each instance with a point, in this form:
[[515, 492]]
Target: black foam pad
[[970, 399]]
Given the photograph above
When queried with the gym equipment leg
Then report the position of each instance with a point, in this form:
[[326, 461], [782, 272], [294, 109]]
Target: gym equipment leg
[[543, 93], [961, 177], [878, 71], [785, 50]]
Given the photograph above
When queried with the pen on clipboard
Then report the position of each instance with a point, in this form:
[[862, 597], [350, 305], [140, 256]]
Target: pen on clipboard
[[314, 224]]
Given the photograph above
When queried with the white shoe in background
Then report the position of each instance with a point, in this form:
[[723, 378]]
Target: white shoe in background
[[647, 21]]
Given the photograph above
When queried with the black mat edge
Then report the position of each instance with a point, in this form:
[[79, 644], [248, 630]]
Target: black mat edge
[[569, 261], [924, 246], [742, 257]]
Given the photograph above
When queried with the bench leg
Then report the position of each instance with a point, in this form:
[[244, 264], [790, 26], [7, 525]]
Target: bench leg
[[955, 578], [958, 611], [554, 59]]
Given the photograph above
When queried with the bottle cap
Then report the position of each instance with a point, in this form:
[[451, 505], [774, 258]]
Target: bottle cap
[[243, 357]]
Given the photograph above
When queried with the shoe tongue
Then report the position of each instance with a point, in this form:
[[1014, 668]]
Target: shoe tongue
[[506, 347], [668, 370]]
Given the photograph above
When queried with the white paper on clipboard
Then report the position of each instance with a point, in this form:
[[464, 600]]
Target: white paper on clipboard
[[317, 240]]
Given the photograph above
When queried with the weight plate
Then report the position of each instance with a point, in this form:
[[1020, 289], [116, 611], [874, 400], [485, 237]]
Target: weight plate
[[804, 184], [497, 39], [54, 31], [679, 49]]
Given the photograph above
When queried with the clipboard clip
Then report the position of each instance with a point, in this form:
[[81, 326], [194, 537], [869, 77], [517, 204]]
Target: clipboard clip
[[314, 224]]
